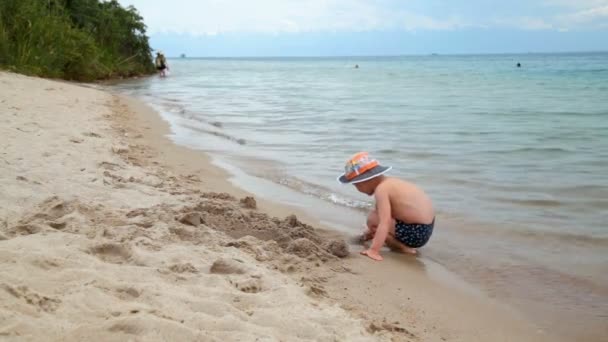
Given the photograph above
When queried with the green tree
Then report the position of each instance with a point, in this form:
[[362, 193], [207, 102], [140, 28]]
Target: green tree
[[73, 39]]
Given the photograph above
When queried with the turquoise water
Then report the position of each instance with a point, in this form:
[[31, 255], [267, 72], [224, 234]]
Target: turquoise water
[[516, 158]]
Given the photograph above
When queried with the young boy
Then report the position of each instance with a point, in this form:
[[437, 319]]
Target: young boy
[[404, 215]]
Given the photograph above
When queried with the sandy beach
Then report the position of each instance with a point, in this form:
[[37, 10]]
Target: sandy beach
[[111, 232]]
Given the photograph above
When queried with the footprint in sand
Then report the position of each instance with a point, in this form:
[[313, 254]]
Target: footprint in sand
[[137, 212], [119, 149], [57, 225], [25, 229], [46, 263], [49, 213], [91, 135], [23, 179], [42, 302], [127, 293], [126, 326], [251, 285], [183, 268], [391, 327], [112, 252], [109, 166], [51, 209], [227, 266], [184, 233]]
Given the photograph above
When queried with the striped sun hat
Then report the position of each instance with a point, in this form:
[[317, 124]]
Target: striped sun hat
[[361, 167]]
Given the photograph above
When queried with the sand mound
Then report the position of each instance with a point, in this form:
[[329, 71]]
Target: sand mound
[[222, 213], [249, 203], [227, 266], [338, 248]]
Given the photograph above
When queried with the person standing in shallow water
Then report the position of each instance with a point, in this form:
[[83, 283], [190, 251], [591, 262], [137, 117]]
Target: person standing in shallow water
[[403, 218], [161, 63]]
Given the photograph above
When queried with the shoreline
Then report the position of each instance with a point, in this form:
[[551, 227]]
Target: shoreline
[[96, 247], [423, 275]]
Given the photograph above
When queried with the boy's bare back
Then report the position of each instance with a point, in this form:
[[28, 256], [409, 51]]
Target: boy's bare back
[[408, 202]]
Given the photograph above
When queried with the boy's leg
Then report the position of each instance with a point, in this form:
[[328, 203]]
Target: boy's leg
[[372, 225], [393, 243]]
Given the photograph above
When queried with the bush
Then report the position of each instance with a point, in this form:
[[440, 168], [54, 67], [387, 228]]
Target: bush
[[73, 39]]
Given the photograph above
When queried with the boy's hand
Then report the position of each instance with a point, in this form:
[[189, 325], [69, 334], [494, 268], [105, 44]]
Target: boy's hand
[[373, 255]]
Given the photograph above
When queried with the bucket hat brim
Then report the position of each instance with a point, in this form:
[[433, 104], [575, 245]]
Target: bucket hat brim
[[373, 173]]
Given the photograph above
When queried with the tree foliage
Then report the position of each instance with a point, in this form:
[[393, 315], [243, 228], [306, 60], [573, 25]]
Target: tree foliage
[[73, 39]]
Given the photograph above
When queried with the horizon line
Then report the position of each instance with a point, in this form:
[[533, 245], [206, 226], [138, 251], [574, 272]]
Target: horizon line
[[430, 54]]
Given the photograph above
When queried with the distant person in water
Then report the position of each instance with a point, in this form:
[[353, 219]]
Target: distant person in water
[[403, 216], [356, 66], [519, 65], [161, 64]]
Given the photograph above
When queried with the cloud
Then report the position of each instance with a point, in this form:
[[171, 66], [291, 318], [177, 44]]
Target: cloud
[[205, 17], [580, 15], [576, 4], [592, 15], [528, 23], [213, 17], [566, 16]]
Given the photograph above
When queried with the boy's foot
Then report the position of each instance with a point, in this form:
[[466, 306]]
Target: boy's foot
[[399, 247], [408, 250]]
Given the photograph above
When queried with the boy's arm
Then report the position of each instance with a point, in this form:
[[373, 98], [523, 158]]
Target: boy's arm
[[383, 206]]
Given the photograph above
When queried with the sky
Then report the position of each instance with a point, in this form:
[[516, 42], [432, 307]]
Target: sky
[[242, 28]]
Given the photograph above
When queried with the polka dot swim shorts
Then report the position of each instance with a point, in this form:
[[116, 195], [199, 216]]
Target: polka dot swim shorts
[[413, 235]]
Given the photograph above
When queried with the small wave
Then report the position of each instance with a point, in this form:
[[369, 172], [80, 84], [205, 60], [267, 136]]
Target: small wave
[[534, 202], [348, 202], [239, 141], [167, 99], [180, 110], [424, 155], [318, 191], [475, 133], [412, 154], [174, 107], [583, 72], [531, 150], [568, 238]]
